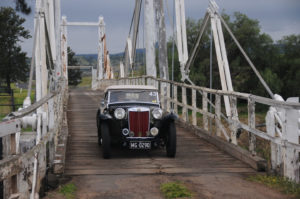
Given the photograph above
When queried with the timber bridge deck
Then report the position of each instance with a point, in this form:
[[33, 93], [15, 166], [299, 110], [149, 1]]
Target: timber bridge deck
[[207, 170]]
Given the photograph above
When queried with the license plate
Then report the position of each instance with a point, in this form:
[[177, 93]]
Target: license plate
[[139, 145]]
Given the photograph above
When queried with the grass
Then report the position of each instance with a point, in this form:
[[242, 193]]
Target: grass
[[19, 96], [281, 184], [85, 82], [68, 190], [175, 190]]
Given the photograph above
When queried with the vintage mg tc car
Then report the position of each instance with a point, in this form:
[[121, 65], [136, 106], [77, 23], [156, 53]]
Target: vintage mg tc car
[[131, 116]]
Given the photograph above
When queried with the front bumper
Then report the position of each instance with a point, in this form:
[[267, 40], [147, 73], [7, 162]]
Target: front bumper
[[153, 141]]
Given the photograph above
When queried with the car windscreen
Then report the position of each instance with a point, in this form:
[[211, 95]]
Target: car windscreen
[[144, 96]]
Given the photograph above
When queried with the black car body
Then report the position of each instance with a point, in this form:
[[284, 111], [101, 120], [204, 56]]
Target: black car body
[[132, 117]]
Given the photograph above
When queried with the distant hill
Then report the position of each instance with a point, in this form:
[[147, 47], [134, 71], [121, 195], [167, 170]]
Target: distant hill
[[91, 59]]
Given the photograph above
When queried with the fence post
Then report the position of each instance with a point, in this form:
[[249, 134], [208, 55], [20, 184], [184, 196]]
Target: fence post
[[276, 161], [184, 109], [175, 107], [234, 117], [168, 97], [204, 107], [10, 146], [162, 95], [156, 83], [7, 191], [12, 100], [290, 155], [218, 114], [251, 123], [194, 113]]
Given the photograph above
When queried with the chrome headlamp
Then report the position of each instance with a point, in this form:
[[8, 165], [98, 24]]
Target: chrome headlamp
[[157, 113], [119, 113], [154, 131]]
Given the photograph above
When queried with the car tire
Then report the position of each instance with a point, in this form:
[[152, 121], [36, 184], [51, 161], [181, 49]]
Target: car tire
[[99, 137], [105, 137], [98, 129], [171, 141]]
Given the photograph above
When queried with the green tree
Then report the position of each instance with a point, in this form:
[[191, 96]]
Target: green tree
[[289, 65], [261, 50], [13, 65], [74, 75], [259, 46], [22, 6]]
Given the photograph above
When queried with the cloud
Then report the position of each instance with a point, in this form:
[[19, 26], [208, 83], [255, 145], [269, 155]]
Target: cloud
[[276, 17]]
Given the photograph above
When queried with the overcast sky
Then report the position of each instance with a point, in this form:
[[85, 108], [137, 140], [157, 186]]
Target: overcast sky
[[277, 18]]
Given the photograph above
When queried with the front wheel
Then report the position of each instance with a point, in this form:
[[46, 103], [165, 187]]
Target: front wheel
[[105, 141], [171, 141], [98, 128]]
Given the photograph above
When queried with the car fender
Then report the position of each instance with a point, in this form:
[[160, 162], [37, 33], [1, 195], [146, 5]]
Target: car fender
[[170, 117], [105, 117], [166, 120], [102, 118]]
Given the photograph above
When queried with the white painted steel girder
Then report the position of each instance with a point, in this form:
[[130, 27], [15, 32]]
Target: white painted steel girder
[[150, 32], [181, 36], [100, 62], [122, 73]]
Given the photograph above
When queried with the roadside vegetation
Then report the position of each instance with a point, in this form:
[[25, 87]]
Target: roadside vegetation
[[86, 81], [68, 190], [176, 189], [281, 184], [19, 96]]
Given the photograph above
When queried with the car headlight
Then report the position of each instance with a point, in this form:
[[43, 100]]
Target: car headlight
[[154, 131], [119, 113], [157, 113]]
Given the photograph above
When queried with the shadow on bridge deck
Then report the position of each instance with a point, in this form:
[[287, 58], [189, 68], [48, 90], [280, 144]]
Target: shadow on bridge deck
[[209, 172]]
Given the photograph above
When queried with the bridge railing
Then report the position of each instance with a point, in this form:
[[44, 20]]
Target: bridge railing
[[25, 162], [194, 106]]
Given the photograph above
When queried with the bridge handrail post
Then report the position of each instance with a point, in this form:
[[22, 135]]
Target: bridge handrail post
[[162, 95], [175, 98], [11, 147], [235, 120], [204, 107], [183, 101], [168, 97], [141, 81], [291, 135], [218, 114], [194, 113], [251, 124], [276, 157]]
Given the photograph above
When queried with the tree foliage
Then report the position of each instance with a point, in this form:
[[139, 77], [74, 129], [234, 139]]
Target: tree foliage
[[278, 63], [74, 76], [13, 65], [289, 64], [22, 6]]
